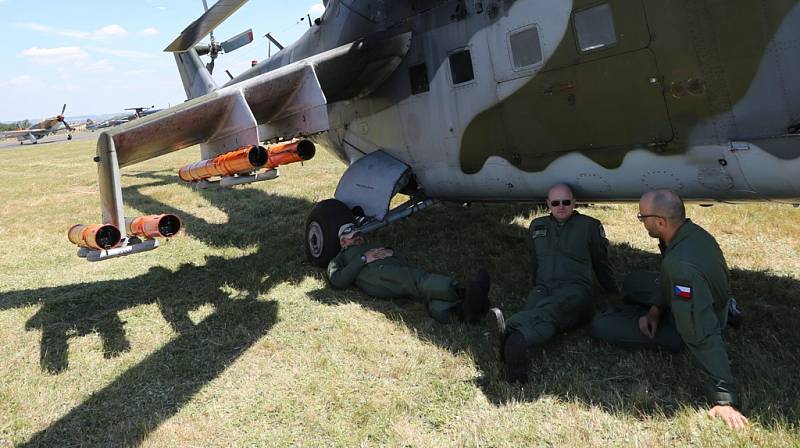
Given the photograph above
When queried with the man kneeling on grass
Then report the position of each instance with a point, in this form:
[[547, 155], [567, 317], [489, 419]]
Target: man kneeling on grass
[[380, 273]]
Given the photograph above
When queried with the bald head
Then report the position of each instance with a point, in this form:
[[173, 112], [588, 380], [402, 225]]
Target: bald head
[[560, 190], [560, 202], [665, 203]]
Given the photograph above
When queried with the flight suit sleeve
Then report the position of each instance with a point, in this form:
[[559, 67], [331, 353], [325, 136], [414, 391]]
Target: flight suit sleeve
[[342, 274], [693, 309], [534, 266], [598, 247]]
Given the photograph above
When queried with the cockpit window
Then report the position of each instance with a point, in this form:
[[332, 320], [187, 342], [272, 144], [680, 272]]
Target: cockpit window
[[461, 67], [595, 28]]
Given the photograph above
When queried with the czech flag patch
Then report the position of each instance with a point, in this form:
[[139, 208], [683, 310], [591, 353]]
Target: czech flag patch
[[684, 292]]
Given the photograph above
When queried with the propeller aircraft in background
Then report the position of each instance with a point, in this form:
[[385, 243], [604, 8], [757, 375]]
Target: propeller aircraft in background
[[138, 112], [482, 100], [42, 129]]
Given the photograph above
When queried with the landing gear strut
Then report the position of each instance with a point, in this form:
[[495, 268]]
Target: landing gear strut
[[363, 197]]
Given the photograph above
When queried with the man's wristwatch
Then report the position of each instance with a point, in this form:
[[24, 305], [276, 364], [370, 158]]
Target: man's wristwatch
[[364, 259]]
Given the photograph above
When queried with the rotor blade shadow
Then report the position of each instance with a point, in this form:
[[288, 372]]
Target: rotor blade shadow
[[181, 367]]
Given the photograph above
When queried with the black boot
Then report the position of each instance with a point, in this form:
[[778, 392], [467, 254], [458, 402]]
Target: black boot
[[476, 298], [515, 354], [496, 333]]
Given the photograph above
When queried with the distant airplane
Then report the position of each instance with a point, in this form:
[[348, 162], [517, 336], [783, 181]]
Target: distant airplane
[[139, 112], [42, 129]]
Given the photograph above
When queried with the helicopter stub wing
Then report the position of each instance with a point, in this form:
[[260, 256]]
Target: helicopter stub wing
[[227, 118], [289, 99]]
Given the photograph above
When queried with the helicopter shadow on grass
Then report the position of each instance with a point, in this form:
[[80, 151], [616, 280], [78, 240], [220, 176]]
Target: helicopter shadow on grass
[[764, 350], [136, 402]]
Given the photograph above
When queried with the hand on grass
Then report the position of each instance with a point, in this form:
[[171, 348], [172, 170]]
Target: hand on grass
[[729, 415]]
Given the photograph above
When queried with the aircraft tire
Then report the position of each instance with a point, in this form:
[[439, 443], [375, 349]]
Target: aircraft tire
[[69, 137], [322, 227]]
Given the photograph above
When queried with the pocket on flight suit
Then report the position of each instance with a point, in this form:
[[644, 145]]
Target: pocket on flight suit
[[683, 312]]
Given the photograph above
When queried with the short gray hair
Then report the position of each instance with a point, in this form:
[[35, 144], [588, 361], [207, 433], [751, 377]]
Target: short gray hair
[[667, 204]]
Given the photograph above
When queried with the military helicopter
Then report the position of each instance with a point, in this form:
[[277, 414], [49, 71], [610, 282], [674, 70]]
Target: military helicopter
[[42, 129], [454, 100]]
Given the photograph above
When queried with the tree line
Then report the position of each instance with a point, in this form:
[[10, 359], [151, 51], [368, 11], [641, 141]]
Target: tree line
[[24, 124]]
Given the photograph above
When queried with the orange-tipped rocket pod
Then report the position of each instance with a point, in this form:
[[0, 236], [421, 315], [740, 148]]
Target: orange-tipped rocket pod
[[290, 152], [153, 226], [95, 236], [242, 160]]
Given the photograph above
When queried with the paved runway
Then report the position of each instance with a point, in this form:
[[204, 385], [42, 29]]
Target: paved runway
[[12, 143]]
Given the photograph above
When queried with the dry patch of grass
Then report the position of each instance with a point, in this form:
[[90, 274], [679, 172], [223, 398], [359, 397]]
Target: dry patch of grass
[[225, 336]]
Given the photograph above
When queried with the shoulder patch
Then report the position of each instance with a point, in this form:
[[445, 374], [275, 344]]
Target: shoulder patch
[[539, 230], [602, 232], [683, 291]]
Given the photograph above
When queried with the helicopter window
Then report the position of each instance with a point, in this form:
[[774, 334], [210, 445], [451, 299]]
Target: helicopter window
[[418, 75], [595, 28], [526, 48], [461, 67]]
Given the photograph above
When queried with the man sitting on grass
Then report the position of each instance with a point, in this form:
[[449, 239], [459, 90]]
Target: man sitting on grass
[[566, 249], [686, 304], [380, 273]]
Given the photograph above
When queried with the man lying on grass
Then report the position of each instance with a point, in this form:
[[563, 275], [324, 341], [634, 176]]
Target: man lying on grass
[[380, 273]]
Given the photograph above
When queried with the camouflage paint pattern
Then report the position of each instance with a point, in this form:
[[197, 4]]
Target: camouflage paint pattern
[[676, 64]]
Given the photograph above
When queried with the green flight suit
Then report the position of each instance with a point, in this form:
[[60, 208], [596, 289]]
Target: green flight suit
[[563, 257], [393, 277], [693, 283]]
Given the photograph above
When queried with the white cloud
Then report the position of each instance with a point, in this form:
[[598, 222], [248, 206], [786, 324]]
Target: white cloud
[[161, 8], [316, 9], [149, 32], [128, 54], [103, 33], [101, 66], [110, 31], [21, 80], [51, 56]]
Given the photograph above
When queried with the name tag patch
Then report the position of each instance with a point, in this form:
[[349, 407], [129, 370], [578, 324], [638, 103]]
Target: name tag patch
[[539, 231], [684, 292]]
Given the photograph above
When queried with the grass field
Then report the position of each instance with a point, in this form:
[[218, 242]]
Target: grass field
[[226, 336]]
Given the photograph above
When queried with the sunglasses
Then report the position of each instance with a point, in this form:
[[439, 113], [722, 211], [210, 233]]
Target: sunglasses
[[642, 217], [556, 203]]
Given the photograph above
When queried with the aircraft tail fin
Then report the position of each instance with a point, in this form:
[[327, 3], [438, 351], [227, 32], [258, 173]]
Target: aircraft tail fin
[[203, 26], [197, 80], [196, 76]]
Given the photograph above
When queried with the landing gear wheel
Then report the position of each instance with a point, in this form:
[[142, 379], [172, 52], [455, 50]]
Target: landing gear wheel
[[69, 137], [322, 228]]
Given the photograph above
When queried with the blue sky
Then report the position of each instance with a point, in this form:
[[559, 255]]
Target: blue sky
[[103, 56]]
